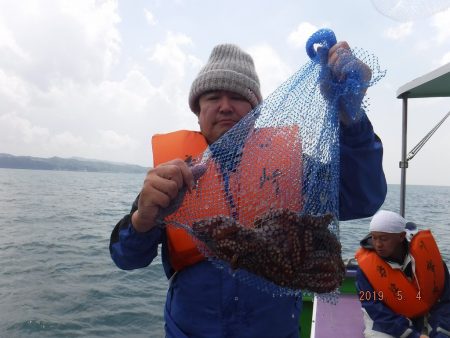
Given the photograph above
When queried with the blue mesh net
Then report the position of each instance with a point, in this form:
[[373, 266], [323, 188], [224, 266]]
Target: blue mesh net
[[265, 204]]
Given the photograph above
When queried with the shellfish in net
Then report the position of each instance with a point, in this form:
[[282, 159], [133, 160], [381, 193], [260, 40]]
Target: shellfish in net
[[290, 250]]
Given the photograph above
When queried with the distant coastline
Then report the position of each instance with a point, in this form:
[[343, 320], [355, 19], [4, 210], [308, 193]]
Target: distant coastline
[[66, 164]]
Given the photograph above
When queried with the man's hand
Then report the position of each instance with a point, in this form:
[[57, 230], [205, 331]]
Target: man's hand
[[161, 185], [347, 70], [344, 64]]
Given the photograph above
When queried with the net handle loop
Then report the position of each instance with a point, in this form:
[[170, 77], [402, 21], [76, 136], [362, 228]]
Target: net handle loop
[[325, 38]]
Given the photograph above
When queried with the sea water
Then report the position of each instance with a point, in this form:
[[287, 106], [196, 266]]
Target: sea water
[[58, 280]]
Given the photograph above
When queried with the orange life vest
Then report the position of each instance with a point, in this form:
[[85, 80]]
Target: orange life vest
[[254, 187], [401, 295]]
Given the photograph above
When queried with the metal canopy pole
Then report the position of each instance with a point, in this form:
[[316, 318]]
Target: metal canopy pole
[[422, 142], [403, 163]]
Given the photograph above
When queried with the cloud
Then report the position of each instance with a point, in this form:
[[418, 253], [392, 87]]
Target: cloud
[[46, 41], [67, 141], [14, 128], [13, 91], [111, 120], [272, 71], [112, 140], [400, 31], [8, 44], [170, 55], [298, 37], [441, 22], [150, 17], [173, 63], [126, 97], [104, 114], [58, 93]]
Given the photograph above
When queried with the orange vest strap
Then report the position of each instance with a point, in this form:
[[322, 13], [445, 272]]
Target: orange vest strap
[[181, 144], [411, 298], [178, 144]]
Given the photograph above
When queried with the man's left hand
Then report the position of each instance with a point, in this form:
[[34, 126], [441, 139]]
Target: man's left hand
[[347, 69]]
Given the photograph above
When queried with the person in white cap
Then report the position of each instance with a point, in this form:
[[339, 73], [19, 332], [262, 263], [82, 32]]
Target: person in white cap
[[203, 301], [402, 281]]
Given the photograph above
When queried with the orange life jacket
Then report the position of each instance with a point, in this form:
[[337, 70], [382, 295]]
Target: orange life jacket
[[401, 295], [255, 187]]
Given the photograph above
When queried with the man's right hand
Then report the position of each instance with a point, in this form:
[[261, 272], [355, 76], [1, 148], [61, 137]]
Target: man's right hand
[[161, 185]]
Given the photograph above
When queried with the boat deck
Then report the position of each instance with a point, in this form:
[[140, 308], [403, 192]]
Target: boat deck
[[345, 319]]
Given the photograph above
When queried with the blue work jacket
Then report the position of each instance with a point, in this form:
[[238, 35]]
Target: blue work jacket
[[206, 302]]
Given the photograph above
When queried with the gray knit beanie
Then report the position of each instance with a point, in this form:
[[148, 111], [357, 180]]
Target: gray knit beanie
[[228, 68]]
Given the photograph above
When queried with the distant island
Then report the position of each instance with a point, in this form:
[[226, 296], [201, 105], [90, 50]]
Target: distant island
[[67, 164]]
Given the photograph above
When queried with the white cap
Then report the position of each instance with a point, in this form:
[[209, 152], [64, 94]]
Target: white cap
[[387, 221]]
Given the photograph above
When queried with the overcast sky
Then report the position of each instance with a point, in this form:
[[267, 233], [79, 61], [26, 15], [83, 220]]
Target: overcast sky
[[96, 79]]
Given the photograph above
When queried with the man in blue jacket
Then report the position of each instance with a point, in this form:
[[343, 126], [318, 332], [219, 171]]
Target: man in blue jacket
[[403, 283], [203, 301]]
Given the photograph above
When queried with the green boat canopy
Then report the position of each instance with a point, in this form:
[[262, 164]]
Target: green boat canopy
[[432, 84]]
